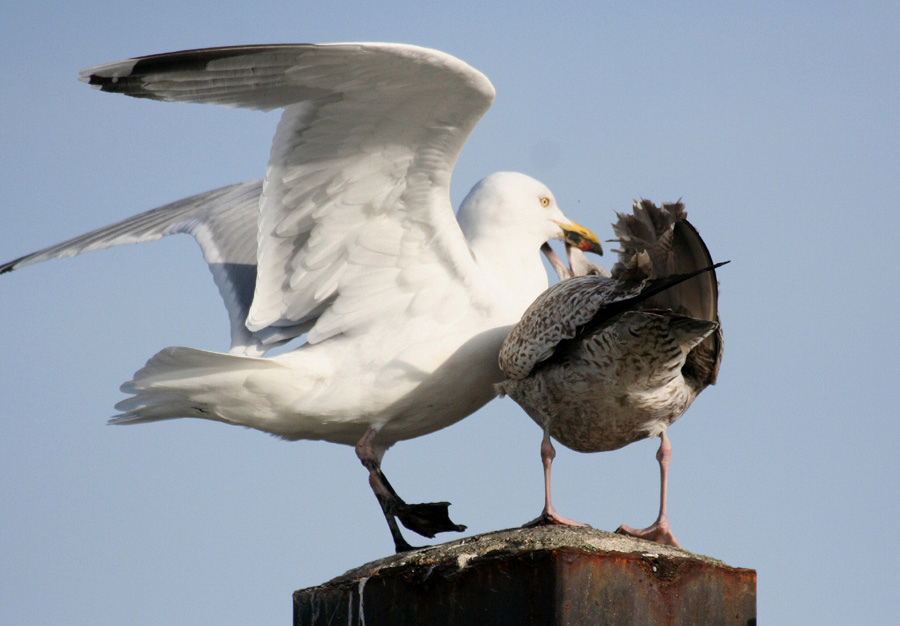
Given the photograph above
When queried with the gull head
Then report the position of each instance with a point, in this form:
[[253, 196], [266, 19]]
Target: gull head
[[507, 219], [509, 206]]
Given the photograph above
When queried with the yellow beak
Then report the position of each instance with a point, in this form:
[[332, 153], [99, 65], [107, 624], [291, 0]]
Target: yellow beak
[[580, 237]]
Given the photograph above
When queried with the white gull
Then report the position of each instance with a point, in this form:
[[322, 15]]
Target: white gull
[[350, 241]]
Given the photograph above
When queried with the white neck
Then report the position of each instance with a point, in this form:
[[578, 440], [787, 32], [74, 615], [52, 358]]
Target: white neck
[[517, 270]]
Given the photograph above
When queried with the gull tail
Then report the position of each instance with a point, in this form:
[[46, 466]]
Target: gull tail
[[186, 382], [674, 247]]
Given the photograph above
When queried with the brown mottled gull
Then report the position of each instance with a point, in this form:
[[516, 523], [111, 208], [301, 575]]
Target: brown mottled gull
[[600, 362]]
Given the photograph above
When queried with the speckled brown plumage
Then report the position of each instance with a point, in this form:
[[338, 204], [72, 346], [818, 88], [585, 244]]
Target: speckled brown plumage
[[600, 362]]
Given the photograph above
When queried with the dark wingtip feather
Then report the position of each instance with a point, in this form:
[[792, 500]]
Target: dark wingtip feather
[[8, 267]]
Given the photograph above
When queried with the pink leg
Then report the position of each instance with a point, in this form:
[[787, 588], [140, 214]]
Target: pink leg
[[659, 531], [549, 515]]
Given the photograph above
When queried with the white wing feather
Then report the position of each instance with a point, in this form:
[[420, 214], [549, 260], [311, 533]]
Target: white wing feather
[[356, 199]]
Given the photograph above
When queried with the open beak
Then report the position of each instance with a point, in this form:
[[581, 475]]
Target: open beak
[[580, 237]]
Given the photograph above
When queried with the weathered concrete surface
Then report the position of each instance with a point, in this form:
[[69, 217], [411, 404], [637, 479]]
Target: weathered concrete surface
[[547, 575]]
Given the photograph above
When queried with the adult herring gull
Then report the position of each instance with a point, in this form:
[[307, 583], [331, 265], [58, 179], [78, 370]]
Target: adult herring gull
[[350, 241], [600, 362]]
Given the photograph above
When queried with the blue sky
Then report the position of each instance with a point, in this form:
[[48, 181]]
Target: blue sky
[[776, 125]]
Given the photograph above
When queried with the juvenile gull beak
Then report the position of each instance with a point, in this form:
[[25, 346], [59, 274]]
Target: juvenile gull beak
[[562, 272], [580, 266]]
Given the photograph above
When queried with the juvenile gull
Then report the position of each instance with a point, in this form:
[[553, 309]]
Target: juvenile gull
[[350, 241], [600, 362]]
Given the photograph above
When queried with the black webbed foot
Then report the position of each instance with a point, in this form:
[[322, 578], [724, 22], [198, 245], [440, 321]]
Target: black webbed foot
[[428, 518], [425, 519]]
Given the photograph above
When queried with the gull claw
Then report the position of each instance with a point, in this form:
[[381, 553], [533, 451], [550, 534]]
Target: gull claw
[[658, 532]]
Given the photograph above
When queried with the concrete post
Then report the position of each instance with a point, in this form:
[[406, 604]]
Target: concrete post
[[551, 575]]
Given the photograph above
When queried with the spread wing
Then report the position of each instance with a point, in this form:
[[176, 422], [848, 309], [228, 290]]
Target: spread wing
[[355, 220], [223, 222]]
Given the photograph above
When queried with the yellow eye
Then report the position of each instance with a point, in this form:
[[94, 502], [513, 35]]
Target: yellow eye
[[545, 201]]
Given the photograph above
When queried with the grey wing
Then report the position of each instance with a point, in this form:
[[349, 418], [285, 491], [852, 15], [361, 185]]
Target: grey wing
[[224, 223], [699, 298], [675, 247]]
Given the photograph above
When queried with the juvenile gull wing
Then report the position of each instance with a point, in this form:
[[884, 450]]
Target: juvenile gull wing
[[573, 308], [356, 207]]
